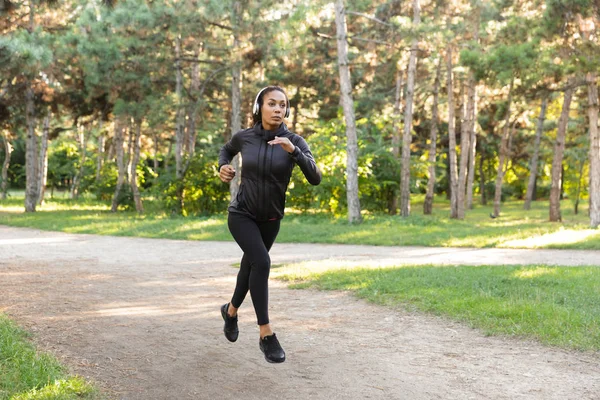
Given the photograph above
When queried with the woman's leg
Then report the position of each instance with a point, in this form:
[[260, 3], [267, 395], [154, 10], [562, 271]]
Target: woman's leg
[[255, 239]]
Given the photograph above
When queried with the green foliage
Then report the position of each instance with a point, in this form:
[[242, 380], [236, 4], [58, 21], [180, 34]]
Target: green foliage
[[202, 191]]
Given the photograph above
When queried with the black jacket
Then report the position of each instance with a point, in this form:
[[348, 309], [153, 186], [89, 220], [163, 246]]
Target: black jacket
[[266, 170]]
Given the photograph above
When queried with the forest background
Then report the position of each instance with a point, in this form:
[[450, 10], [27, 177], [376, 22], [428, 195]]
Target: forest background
[[129, 101]]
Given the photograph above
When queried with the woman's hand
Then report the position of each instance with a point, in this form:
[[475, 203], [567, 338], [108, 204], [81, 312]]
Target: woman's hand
[[226, 173], [283, 142]]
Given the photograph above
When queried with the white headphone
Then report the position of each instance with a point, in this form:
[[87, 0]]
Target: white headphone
[[256, 107]]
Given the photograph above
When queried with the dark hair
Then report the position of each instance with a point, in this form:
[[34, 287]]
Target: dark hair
[[258, 116]]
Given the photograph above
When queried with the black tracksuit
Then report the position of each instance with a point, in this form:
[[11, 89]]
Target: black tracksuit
[[256, 211]]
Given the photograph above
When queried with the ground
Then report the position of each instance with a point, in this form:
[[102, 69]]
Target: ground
[[140, 317]]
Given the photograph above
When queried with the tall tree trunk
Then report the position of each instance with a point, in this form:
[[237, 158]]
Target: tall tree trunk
[[408, 116], [354, 215], [594, 150], [396, 137], [472, 156], [393, 201], [472, 113], [536, 155], [503, 151], [297, 106], [155, 152], [465, 145], [100, 159], [44, 159], [428, 204], [192, 111], [451, 137], [133, 178], [236, 96], [578, 191], [81, 141], [7, 152], [31, 152], [179, 120], [482, 180], [118, 141], [559, 148]]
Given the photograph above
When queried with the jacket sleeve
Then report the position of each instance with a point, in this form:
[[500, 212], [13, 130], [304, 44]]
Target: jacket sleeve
[[229, 150], [304, 158]]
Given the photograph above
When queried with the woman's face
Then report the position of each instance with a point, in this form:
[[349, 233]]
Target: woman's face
[[273, 109]]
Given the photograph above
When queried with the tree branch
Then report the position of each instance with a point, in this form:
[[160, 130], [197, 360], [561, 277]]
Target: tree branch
[[369, 17]]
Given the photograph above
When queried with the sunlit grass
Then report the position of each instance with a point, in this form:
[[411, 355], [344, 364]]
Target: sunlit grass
[[26, 374], [514, 228], [557, 306]]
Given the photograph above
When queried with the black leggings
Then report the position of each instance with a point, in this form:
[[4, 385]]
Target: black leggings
[[255, 239]]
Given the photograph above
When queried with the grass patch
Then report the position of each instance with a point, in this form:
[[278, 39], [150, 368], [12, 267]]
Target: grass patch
[[514, 228], [26, 374], [557, 306]]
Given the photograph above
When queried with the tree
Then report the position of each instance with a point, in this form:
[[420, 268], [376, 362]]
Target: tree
[[428, 203], [536, 151], [594, 150], [559, 148], [354, 215], [408, 116], [5, 164], [451, 136]]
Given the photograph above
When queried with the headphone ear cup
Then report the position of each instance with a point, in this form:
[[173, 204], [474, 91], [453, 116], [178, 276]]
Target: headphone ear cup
[[287, 112]]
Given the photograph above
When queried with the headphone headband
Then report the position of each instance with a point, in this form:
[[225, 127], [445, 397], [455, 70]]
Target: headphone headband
[[256, 106]]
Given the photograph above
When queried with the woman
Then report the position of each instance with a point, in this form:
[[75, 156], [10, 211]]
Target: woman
[[269, 153]]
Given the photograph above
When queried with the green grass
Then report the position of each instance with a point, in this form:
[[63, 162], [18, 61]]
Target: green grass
[[26, 374], [557, 306], [514, 228]]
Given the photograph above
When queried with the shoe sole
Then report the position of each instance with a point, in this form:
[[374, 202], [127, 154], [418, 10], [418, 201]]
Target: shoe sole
[[271, 361]]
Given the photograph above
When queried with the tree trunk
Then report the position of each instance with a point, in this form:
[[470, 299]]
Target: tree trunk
[[559, 148], [354, 215], [133, 178], [192, 111], [408, 116], [393, 201], [472, 156], [482, 180], [503, 151], [31, 153], [180, 116], [44, 159], [594, 190], [428, 204], [536, 155], [465, 146], [578, 191], [155, 153], [236, 97], [7, 152], [81, 141], [396, 138], [118, 141], [451, 138], [100, 159], [297, 102], [472, 115]]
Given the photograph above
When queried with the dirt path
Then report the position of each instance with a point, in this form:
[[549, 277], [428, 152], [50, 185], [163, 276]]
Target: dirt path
[[140, 317]]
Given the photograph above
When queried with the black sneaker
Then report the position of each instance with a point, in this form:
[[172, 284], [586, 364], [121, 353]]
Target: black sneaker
[[230, 329], [270, 346]]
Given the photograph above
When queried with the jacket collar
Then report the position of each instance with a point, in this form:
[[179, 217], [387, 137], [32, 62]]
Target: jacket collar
[[270, 135]]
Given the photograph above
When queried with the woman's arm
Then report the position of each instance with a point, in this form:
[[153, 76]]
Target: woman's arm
[[228, 151], [304, 158]]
